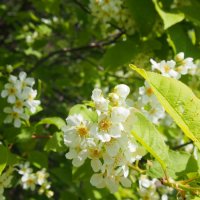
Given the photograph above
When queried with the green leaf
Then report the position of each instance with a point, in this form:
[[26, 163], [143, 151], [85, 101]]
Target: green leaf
[[148, 136], [84, 111], [39, 159], [144, 22], [169, 19], [180, 164], [57, 121], [55, 143], [124, 51], [178, 100], [3, 157], [180, 41], [192, 13]]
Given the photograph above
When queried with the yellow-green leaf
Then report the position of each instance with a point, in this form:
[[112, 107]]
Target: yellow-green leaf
[[148, 136], [169, 19], [178, 100]]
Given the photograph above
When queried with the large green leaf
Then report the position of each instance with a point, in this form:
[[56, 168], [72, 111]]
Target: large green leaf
[[169, 19], [146, 134], [192, 13], [124, 51], [178, 100], [57, 121], [180, 41], [144, 22], [179, 165]]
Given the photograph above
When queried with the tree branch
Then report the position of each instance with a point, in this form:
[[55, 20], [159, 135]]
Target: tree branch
[[93, 45]]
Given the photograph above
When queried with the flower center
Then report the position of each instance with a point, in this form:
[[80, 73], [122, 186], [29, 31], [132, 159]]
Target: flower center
[[166, 68], [15, 115], [82, 130], [30, 181], [95, 153], [19, 104], [149, 91], [105, 124], [12, 90]]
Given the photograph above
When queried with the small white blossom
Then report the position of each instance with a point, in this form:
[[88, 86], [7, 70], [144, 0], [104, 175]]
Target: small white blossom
[[10, 91], [20, 94], [167, 68], [101, 103], [14, 116]]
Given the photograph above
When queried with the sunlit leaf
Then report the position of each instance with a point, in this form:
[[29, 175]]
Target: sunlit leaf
[[178, 100], [148, 136]]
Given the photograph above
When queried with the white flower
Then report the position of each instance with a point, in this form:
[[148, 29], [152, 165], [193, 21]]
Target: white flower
[[25, 169], [167, 68], [185, 65], [106, 129], [24, 81], [18, 106], [29, 94], [146, 93], [29, 181], [42, 176], [49, 193], [77, 155], [155, 113], [10, 91], [14, 116], [77, 130], [122, 90], [101, 103]]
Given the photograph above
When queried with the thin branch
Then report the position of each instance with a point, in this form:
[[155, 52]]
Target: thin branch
[[93, 45], [182, 145], [41, 136], [82, 6]]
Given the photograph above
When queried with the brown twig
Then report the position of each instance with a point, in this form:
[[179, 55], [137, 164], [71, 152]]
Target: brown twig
[[41, 136], [93, 45]]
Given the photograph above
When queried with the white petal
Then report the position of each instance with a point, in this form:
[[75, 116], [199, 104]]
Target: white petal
[[96, 165], [112, 148], [119, 114], [104, 137], [122, 90], [22, 76], [96, 93], [97, 181], [11, 99], [125, 182], [30, 81], [17, 123], [71, 154], [4, 93], [116, 130], [111, 184]]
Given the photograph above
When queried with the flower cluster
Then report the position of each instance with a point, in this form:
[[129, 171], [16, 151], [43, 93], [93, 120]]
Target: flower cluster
[[107, 10], [175, 68], [21, 97], [148, 189], [5, 181], [30, 179], [106, 141], [149, 104]]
